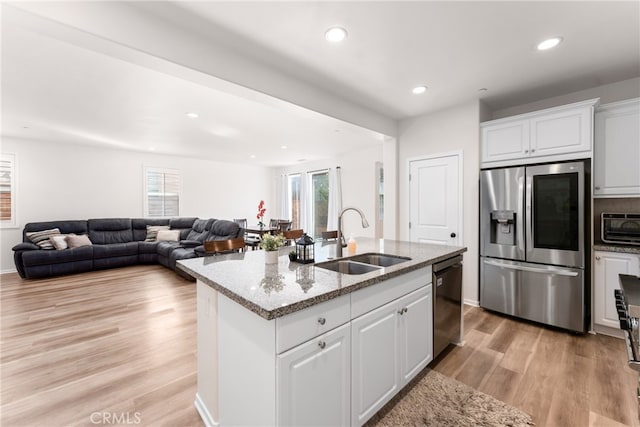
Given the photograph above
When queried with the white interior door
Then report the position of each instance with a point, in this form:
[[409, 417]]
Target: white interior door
[[435, 199]]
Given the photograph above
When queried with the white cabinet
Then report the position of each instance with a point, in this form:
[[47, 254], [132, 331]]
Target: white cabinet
[[390, 345], [560, 133], [616, 153], [314, 381], [607, 267], [334, 363]]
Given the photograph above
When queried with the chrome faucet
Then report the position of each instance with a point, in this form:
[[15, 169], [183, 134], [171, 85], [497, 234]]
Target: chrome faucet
[[340, 240]]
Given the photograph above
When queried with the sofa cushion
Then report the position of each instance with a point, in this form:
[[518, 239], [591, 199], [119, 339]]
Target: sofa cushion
[[168, 236], [34, 258], [147, 247], [224, 230], [59, 241], [182, 224], [165, 248], [199, 230], [76, 241], [152, 232], [110, 230], [65, 227], [115, 250], [41, 238], [139, 226]]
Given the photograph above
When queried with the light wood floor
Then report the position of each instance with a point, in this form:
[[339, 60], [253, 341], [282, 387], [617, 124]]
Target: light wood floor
[[121, 345]]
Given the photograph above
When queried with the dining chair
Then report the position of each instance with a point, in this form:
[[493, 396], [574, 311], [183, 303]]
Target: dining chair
[[213, 247], [250, 240], [330, 235], [292, 235], [273, 223], [284, 225]]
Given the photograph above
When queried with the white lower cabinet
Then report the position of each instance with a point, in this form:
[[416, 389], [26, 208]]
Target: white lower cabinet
[[607, 267], [390, 345], [332, 364], [314, 381]]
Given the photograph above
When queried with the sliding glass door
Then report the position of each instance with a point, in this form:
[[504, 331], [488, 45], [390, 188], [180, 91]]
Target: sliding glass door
[[319, 203]]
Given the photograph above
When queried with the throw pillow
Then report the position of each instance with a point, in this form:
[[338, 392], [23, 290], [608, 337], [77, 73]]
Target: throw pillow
[[74, 241], [59, 241], [152, 232], [168, 235], [41, 238]]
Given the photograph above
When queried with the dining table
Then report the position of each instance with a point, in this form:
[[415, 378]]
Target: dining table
[[256, 229]]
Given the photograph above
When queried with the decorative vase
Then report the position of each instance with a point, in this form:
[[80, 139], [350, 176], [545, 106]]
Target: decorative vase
[[271, 257]]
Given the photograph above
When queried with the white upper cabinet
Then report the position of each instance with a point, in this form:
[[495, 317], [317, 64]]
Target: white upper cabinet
[[616, 157], [560, 133]]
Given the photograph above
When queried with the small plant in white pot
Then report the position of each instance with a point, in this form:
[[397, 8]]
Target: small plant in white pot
[[270, 244]]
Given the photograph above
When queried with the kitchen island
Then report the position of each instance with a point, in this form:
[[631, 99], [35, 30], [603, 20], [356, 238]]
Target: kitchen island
[[296, 344]]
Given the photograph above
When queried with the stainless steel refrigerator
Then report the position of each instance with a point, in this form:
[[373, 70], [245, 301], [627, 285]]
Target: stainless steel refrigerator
[[533, 236]]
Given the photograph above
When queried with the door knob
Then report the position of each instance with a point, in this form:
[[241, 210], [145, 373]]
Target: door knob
[[453, 235]]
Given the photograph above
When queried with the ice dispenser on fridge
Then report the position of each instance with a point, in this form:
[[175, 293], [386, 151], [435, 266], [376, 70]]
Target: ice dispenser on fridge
[[503, 227]]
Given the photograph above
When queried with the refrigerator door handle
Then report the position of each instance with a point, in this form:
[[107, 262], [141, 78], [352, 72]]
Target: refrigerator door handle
[[556, 271], [520, 218]]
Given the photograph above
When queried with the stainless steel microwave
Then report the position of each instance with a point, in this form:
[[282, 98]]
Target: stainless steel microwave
[[620, 228]]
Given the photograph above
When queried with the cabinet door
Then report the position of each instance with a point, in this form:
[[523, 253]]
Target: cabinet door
[[314, 381], [505, 141], [375, 360], [566, 131], [617, 150], [607, 267], [416, 326]]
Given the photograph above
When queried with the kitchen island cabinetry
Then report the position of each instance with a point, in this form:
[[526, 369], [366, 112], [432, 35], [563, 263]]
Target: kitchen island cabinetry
[[293, 344], [607, 267], [391, 345], [616, 153], [314, 381], [554, 134]]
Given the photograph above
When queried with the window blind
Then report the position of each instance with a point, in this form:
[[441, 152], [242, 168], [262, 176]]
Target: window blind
[[162, 192]]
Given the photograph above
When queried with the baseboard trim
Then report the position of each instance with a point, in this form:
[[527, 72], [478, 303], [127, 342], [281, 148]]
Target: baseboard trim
[[472, 303], [204, 412], [11, 270]]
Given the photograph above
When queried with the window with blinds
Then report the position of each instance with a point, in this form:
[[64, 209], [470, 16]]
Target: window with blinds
[[7, 190], [162, 192]]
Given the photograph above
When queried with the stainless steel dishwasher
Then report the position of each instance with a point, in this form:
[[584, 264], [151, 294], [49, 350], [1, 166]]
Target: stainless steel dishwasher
[[447, 313]]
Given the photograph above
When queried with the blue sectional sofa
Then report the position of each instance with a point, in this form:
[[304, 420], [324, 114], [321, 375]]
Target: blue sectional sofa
[[117, 242]]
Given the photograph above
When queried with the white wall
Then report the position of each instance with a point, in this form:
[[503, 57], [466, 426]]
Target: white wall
[[618, 91], [67, 181], [358, 184], [456, 128]]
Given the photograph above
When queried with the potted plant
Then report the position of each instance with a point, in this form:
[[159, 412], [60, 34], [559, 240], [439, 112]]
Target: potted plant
[[270, 244], [292, 256]]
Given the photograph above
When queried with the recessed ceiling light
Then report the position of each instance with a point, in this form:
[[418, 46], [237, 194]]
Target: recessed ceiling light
[[253, 156], [549, 43], [335, 34], [152, 148], [192, 115], [284, 147], [419, 89]]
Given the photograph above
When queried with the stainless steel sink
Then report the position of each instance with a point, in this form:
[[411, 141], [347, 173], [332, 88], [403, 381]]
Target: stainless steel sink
[[348, 267], [361, 264], [382, 260]]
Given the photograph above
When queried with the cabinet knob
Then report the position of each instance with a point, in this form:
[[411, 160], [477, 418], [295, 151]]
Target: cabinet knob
[[322, 344], [597, 258], [597, 188], [453, 235], [526, 151], [402, 311], [322, 320], [533, 150]]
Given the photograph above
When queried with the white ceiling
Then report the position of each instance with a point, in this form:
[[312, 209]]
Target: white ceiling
[[54, 90]]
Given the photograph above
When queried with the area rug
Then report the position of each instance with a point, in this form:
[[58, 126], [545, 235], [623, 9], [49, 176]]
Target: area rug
[[436, 400]]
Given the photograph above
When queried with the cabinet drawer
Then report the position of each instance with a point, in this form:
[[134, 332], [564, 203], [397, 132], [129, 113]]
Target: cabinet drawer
[[369, 298], [305, 324]]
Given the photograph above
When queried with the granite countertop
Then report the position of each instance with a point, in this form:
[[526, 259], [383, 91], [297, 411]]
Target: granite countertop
[[275, 290], [608, 247]]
